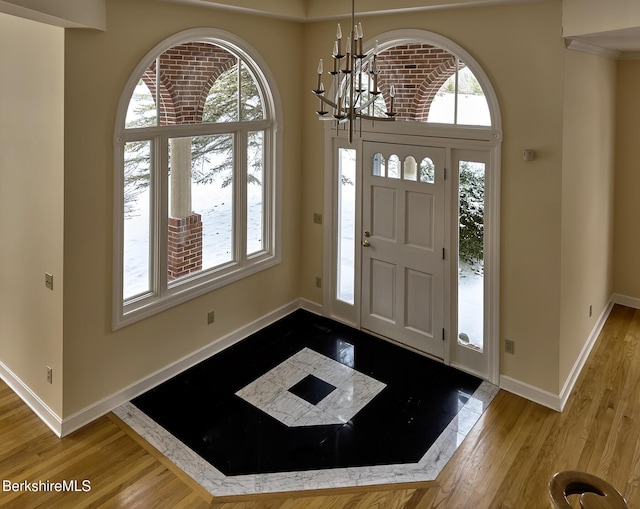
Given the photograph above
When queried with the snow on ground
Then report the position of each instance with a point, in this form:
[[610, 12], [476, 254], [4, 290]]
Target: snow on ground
[[215, 204]]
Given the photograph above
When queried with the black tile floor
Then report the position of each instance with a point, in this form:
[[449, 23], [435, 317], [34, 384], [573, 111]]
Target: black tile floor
[[307, 393]]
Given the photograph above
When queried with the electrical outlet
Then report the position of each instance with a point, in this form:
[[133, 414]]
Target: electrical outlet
[[317, 218], [49, 375], [318, 282], [48, 280], [210, 317], [509, 346]]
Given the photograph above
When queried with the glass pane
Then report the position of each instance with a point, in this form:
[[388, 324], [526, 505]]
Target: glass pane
[[473, 108], [427, 171], [142, 110], [443, 106], [410, 168], [377, 108], [222, 102], [255, 192], [137, 219], [394, 167], [346, 224], [200, 204], [379, 165], [250, 97], [471, 255]]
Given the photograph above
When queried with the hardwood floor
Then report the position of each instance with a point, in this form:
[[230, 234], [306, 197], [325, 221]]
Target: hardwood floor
[[505, 462]]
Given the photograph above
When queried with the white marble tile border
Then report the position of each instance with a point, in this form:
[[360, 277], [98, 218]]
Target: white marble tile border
[[216, 483]]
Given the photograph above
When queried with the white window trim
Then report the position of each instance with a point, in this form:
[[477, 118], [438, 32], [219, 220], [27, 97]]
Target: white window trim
[[202, 283]]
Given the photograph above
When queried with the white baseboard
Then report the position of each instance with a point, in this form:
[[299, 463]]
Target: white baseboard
[[624, 300], [98, 409], [312, 307], [48, 416], [584, 354], [558, 401], [531, 392]]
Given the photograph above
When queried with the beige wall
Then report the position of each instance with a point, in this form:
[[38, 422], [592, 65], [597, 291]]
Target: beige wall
[[521, 50], [31, 204], [627, 183], [99, 362], [587, 199], [582, 17]]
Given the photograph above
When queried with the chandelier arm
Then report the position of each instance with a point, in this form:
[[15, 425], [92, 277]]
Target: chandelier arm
[[375, 119], [365, 104], [326, 101]]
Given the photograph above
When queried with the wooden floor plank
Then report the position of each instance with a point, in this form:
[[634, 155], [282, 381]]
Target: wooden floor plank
[[505, 462]]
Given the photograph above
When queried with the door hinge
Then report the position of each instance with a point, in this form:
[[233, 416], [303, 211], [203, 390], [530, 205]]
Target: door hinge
[[443, 253], [442, 333], [445, 173]]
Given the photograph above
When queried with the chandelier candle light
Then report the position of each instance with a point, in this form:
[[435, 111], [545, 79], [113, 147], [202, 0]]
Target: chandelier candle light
[[352, 100]]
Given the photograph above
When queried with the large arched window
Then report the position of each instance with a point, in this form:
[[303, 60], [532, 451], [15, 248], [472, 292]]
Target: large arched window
[[196, 165]]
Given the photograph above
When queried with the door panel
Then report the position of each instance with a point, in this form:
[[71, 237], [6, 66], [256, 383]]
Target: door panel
[[403, 238], [418, 317], [383, 212], [383, 284], [419, 220]]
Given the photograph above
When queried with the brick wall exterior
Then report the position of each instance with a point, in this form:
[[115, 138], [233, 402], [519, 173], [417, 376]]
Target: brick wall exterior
[[184, 246], [187, 73], [417, 71]]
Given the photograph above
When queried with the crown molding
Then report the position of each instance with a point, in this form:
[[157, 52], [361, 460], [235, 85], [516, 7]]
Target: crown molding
[[318, 10], [576, 44]]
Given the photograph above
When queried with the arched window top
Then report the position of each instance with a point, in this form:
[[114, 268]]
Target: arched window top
[[203, 76], [432, 84], [438, 85], [196, 82]]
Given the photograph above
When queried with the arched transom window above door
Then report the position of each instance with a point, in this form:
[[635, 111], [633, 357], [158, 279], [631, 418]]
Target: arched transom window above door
[[431, 85]]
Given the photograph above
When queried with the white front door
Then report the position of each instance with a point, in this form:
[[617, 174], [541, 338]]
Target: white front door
[[403, 217]]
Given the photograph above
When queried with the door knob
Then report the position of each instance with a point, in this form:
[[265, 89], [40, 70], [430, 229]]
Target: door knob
[[366, 243]]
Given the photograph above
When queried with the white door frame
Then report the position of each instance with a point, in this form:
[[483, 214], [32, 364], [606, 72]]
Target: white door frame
[[452, 138], [349, 313]]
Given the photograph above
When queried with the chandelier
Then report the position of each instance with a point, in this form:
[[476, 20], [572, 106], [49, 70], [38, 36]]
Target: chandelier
[[355, 82]]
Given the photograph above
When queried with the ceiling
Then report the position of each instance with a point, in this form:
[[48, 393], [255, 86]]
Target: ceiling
[[626, 40]]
